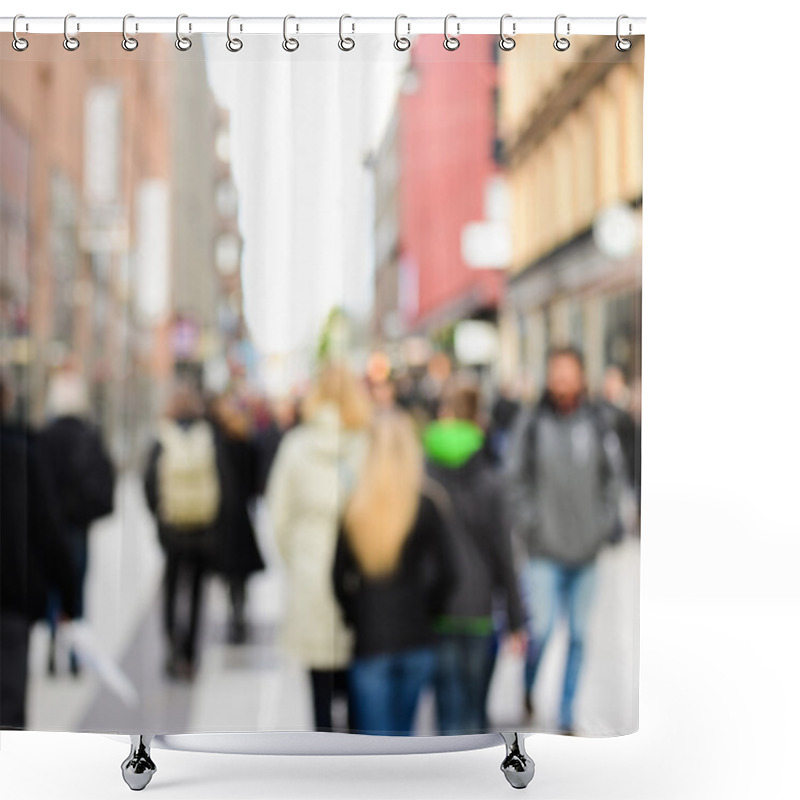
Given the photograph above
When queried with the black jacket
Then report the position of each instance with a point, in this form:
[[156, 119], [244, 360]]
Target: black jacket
[[83, 475], [396, 613], [481, 547], [34, 554], [238, 552]]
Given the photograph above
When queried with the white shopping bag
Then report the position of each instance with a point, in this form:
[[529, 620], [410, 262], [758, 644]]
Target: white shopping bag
[[91, 653], [506, 701]]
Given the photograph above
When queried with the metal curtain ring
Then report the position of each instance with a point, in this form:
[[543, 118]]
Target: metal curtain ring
[[451, 42], [18, 43], [561, 44], [345, 42], [401, 42], [183, 43], [70, 42], [623, 44], [288, 44], [234, 45], [506, 42], [129, 43]]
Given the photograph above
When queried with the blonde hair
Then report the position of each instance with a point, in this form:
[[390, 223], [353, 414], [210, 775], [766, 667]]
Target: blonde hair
[[336, 385], [385, 501]]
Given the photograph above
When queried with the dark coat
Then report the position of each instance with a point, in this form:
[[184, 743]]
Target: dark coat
[[83, 475], [397, 613], [238, 552], [266, 443], [34, 553], [622, 423], [482, 546]]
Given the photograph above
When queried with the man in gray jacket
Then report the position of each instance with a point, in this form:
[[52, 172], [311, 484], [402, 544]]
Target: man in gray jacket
[[563, 482]]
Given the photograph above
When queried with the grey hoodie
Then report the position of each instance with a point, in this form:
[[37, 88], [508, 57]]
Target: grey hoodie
[[563, 481]]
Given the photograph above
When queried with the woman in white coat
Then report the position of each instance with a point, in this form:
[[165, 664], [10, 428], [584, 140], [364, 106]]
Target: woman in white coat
[[314, 471]]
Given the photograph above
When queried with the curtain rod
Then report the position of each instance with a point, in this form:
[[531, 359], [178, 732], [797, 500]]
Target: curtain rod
[[632, 26]]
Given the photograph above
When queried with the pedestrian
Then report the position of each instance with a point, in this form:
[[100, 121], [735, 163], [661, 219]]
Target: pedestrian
[[83, 479], [481, 550], [183, 486], [237, 554], [392, 575], [614, 404], [272, 420], [564, 475], [311, 480], [34, 554]]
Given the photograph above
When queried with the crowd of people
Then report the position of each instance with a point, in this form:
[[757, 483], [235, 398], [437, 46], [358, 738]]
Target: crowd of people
[[419, 531], [419, 539]]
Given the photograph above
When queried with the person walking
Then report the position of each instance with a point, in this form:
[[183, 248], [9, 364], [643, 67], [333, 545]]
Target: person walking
[[392, 575], [563, 480], [183, 483], [34, 554], [83, 480], [482, 554], [313, 474], [238, 555]]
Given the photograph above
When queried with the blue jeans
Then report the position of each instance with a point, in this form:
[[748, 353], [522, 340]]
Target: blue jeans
[[551, 588], [463, 673], [78, 546], [385, 689]]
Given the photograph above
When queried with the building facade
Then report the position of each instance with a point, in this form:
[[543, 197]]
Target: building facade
[[572, 130], [447, 140], [119, 240], [79, 135]]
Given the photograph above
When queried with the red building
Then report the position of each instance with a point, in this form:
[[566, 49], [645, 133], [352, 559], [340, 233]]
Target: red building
[[447, 147]]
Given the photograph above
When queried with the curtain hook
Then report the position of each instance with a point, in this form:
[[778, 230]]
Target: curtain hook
[[451, 42], [234, 45], [346, 43], [561, 44], [129, 43], [506, 42], [401, 42], [289, 44], [18, 43], [183, 43], [623, 44], [70, 42]]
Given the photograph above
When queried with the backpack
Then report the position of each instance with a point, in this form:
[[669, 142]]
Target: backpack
[[188, 480]]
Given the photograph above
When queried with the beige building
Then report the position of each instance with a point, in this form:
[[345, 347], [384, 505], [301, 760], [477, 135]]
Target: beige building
[[571, 123]]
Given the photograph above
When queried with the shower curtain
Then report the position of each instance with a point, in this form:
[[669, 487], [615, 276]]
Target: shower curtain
[[320, 383]]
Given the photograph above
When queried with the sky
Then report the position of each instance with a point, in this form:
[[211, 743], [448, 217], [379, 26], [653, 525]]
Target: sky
[[302, 125]]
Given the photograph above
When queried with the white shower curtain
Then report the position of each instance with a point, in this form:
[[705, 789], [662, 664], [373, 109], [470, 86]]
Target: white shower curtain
[[211, 240]]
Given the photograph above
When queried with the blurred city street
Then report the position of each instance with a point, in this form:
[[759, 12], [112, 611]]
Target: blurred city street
[[377, 326], [254, 684]]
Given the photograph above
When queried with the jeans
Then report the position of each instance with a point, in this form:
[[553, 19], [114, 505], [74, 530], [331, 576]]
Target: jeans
[[385, 690], [463, 673], [79, 550], [551, 588]]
